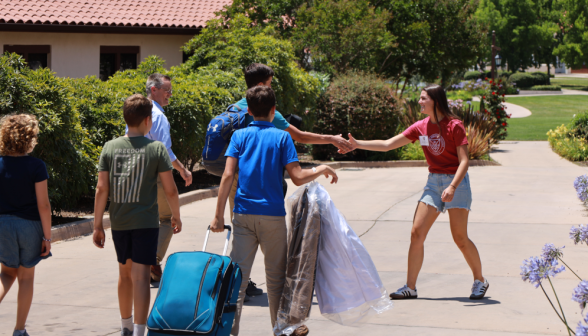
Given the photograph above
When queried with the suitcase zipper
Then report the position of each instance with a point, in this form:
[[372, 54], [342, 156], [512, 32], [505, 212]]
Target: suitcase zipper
[[200, 289], [220, 272]]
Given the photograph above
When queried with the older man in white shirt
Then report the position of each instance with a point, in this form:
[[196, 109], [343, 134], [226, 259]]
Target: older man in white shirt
[[159, 90]]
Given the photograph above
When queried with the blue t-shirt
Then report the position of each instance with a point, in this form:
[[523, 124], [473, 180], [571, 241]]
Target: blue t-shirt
[[18, 175], [263, 152], [279, 121]]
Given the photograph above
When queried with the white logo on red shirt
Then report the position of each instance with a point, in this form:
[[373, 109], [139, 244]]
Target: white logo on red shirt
[[436, 144]]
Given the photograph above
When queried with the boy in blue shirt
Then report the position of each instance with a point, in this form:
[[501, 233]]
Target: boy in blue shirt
[[261, 152]]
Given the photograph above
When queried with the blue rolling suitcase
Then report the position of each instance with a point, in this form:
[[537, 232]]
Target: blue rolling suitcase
[[197, 294]]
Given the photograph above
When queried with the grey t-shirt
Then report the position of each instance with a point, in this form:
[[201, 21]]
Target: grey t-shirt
[[134, 164]]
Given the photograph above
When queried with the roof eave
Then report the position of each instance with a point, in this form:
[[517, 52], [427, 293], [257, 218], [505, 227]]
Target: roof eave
[[97, 29]]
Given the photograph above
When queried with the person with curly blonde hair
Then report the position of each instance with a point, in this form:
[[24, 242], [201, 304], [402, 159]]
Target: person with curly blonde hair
[[25, 212]]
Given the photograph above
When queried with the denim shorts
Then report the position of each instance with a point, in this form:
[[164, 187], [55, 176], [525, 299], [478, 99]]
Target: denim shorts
[[462, 198], [21, 242]]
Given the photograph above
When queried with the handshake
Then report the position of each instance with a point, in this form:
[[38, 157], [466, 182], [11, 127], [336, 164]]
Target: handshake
[[344, 146]]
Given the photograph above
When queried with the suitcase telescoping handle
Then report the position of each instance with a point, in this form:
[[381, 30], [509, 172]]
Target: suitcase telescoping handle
[[227, 227]]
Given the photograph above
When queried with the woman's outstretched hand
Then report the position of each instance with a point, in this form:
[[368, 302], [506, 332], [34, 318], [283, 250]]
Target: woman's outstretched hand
[[352, 145]]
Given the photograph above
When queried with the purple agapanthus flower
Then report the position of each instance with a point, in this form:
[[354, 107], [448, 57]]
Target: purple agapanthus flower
[[550, 252], [535, 269], [579, 234], [582, 329], [581, 186], [581, 294]]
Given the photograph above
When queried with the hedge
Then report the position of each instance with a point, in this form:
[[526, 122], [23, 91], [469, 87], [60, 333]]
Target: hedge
[[529, 79], [358, 103], [546, 88], [64, 145], [473, 75], [77, 116], [523, 79]]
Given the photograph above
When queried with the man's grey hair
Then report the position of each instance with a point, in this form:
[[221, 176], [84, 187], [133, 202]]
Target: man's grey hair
[[155, 80]]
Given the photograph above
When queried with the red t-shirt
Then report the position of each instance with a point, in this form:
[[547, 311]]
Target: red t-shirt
[[441, 153]]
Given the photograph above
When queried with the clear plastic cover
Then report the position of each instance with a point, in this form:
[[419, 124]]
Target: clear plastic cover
[[347, 284], [304, 226], [348, 287]]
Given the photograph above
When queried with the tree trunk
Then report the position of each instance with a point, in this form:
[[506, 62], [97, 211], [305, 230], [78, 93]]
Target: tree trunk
[[403, 87], [548, 74]]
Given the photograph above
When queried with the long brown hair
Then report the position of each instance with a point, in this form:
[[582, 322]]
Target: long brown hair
[[437, 94]]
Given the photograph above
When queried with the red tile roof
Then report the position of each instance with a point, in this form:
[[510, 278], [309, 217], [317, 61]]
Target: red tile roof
[[133, 13]]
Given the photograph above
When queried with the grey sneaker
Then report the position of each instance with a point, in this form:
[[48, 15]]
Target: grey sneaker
[[126, 332], [18, 333], [404, 293], [479, 289]]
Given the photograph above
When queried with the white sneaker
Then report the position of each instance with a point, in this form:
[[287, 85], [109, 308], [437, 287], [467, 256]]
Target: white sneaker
[[404, 293], [479, 289]]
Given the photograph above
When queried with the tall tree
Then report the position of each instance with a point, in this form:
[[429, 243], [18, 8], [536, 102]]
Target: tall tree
[[336, 35], [435, 37], [573, 29], [524, 31]]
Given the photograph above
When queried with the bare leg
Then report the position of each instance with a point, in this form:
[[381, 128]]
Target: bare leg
[[142, 295], [424, 217], [26, 280], [125, 289], [458, 220], [7, 277]]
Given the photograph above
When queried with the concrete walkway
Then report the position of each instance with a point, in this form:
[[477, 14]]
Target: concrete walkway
[[515, 111], [518, 207]]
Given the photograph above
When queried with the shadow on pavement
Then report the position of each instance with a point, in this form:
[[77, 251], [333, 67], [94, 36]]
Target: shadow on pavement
[[257, 301], [484, 302]]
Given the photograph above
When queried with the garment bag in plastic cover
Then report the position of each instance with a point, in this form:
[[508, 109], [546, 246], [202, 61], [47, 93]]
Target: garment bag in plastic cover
[[304, 226], [348, 286]]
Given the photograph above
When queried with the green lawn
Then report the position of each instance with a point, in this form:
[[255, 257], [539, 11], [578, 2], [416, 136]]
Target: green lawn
[[563, 81], [548, 113]]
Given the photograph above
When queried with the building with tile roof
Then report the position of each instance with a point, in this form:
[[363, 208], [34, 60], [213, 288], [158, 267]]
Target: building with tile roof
[[76, 38]]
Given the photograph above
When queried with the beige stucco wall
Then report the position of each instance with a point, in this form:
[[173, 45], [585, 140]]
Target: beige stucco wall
[[78, 54]]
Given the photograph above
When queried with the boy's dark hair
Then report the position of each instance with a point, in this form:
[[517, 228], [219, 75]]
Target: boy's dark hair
[[257, 73], [136, 109], [260, 100]]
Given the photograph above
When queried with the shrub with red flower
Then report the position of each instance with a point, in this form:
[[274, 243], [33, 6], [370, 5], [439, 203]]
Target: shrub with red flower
[[492, 104]]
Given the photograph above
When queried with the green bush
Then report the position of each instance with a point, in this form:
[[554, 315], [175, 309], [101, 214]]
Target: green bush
[[64, 145], [410, 112], [546, 88], [100, 108], [197, 97], [473, 75], [523, 79], [567, 145], [541, 78], [579, 125], [358, 103], [232, 46], [412, 151]]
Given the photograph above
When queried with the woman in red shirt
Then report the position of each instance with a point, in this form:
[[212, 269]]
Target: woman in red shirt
[[444, 141]]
